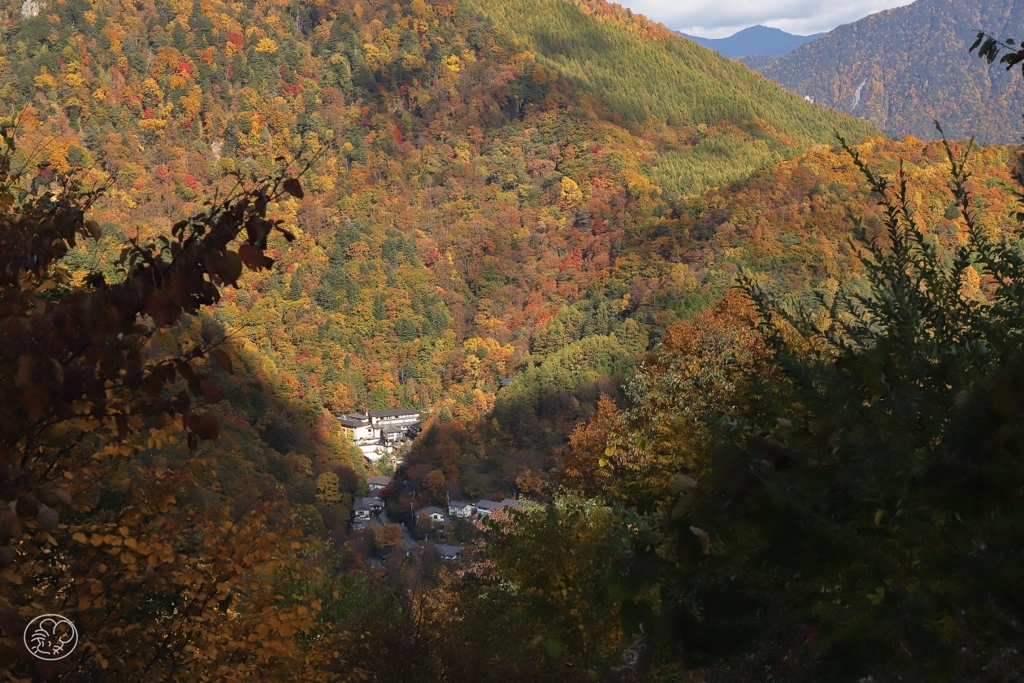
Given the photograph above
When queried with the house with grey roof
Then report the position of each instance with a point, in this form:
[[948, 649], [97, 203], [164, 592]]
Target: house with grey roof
[[361, 510], [448, 552], [488, 507], [395, 415], [436, 513], [409, 544], [393, 434], [378, 483]]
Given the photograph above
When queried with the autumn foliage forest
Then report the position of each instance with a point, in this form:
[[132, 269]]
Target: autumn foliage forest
[[744, 362]]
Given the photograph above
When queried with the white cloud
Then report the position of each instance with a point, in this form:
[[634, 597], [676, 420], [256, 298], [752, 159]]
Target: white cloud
[[718, 19]]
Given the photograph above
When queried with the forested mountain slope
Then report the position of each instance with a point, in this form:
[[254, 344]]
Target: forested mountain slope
[[473, 179], [488, 198], [722, 123], [903, 68]]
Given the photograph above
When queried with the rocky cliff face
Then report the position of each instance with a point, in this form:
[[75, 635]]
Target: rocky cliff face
[[906, 67]]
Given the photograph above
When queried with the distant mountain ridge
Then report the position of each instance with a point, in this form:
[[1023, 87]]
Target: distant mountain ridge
[[905, 67], [756, 40]]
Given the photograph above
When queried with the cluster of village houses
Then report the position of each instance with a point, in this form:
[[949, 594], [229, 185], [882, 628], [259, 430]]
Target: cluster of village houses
[[369, 511], [377, 433]]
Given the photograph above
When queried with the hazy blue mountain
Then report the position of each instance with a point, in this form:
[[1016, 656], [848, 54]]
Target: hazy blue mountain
[[756, 40]]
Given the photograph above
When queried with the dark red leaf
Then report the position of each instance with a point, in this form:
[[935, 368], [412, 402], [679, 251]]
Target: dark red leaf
[[153, 383], [223, 359], [230, 267], [189, 375], [36, 401], [293, 187], [9, 524], [161, 309], [210, 391], [205, 426], [253, 258]]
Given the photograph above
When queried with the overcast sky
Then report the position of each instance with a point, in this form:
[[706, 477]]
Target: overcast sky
[[721, 18]]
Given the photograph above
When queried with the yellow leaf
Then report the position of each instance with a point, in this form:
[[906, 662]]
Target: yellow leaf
[[878, 516], [80, 537]]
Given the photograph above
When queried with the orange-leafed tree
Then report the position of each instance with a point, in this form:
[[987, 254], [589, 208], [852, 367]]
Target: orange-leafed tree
[[703, 370]]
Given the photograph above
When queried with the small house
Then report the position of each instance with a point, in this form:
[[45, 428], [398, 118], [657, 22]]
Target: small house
[[361, 510], [378, 483], [393, 434], [488, 507], [436, 513], [448, 552]]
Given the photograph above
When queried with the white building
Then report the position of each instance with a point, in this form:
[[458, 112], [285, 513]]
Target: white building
[[457, 509], [435, 513], [394, 417], [358, 428], [380, 426]]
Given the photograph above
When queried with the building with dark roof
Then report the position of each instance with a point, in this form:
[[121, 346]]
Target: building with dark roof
[[394, 414], [436, 513], [448, 552], [488, 507], [378, 483]]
